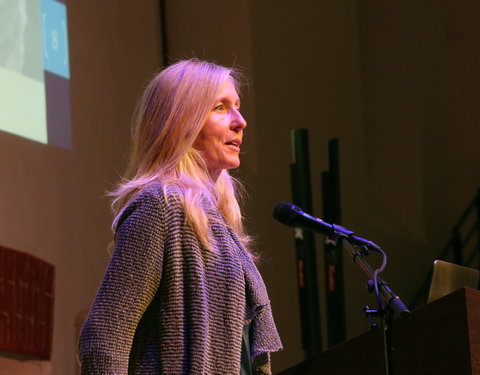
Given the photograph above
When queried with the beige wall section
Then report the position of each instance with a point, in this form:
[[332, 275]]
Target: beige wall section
[[53, 203]]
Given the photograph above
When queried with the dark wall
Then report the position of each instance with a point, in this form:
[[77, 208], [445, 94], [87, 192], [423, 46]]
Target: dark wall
[[394, 82]]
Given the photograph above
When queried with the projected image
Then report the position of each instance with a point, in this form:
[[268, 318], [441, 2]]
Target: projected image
[[34, 71], [13, 17]]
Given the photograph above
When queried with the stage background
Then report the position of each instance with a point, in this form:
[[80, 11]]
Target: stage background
[[396, 83]]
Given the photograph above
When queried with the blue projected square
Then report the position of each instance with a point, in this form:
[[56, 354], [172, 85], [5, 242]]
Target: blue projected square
[[55, 37]]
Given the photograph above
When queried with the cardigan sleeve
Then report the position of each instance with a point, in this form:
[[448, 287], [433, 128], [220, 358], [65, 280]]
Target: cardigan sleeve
[[128, 286]]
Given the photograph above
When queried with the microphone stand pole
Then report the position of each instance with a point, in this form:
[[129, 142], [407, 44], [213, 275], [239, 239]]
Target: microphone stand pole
[[393, 304]]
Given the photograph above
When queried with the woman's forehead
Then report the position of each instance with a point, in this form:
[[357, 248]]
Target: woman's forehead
[[228, 91]]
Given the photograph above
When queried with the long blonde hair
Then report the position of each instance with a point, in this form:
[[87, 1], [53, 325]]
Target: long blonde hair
[[167, 121]]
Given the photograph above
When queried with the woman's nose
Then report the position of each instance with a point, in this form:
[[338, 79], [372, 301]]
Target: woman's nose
[[238, 121]]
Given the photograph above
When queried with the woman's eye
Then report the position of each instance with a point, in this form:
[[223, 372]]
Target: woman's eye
[[219, 107]]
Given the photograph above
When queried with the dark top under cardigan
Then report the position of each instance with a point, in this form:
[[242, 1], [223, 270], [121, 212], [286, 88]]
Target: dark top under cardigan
[[166, 305]]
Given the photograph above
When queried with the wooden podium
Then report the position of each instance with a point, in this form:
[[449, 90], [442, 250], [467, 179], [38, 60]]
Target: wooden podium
[[441, 338]]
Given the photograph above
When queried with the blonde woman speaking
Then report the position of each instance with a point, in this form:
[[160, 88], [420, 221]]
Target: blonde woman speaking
[[181, 294]]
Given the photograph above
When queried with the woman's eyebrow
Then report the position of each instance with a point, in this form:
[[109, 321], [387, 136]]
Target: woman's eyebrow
[[227, 99]]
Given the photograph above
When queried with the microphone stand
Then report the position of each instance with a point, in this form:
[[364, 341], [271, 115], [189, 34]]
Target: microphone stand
[[389, 304]]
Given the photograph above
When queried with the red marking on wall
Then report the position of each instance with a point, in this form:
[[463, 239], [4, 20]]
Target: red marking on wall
[[332, 287], [301, 274], [26, 304]]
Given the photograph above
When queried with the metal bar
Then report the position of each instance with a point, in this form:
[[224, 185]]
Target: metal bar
[[471, 206]]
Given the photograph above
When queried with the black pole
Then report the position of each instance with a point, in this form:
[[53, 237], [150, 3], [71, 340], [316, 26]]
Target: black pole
[[305, 248], [334, 279]]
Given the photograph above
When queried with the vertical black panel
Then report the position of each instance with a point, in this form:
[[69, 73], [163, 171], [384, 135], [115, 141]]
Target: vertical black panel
[[305, 248], [334, 279]]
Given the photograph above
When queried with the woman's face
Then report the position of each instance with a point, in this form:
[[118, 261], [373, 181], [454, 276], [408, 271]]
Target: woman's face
[[221, 136]]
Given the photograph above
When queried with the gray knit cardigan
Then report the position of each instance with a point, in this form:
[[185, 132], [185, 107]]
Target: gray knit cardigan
[[168, 306]]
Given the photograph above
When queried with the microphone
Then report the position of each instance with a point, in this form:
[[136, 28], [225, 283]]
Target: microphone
[[293, 216]]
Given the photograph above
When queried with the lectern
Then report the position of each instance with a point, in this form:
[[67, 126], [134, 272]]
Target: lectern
[[441, 338]]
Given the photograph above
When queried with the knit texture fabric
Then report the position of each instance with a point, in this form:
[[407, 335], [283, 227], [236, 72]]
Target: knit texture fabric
[[166, 305]]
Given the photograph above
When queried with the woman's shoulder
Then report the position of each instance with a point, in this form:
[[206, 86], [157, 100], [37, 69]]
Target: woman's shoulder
[[164, 195], [154, 199]]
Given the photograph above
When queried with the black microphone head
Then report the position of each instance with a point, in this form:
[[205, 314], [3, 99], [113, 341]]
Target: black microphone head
[[285, 213]]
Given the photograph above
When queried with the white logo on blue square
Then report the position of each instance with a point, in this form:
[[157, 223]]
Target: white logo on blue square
[[55, 37]]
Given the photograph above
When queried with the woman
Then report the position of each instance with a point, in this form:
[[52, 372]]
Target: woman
[[181, 294]]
